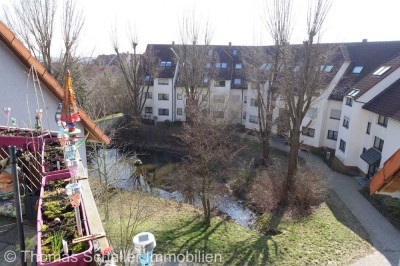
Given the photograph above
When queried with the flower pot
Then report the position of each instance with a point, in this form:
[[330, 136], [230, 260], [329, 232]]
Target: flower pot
[[22, 138], [54, 173], [80, 259]]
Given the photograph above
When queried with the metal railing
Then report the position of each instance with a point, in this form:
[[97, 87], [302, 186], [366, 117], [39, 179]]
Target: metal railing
[[30, 168]]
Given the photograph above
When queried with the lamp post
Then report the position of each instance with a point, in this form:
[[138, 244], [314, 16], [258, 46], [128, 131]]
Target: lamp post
[[143, 245]]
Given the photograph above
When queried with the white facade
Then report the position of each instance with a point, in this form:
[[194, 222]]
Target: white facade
[[24, 97], [331, 123]]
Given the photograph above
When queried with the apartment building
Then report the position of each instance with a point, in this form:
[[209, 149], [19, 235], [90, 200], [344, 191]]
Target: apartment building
[[338, 119]]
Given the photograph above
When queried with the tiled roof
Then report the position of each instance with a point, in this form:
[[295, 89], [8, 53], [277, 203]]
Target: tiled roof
[[28, 60], [387, 180], [369, 55], [387, 103]]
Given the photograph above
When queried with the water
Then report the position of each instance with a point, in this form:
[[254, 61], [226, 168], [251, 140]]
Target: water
[[122, 171]]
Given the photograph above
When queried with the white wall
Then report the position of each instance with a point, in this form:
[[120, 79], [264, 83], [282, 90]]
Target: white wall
[[18, 93], [162, 103]]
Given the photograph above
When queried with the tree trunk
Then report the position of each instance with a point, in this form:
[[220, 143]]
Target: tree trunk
[[265, 151]]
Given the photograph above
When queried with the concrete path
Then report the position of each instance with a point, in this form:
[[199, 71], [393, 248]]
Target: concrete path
[[384, 236]]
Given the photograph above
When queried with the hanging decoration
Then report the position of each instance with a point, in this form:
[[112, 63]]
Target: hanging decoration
[[7, 112], [38, 118], [69, 111], [66, 115]]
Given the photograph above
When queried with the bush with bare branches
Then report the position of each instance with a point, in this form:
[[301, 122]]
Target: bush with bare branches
[[268, 189]]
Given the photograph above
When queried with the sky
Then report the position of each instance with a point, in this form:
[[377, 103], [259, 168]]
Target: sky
[[236, 21]]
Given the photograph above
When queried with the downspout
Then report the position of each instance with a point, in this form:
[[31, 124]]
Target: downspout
[[173, 87], [174, 92]]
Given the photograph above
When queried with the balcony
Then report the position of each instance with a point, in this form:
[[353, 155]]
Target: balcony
[[44, 173]]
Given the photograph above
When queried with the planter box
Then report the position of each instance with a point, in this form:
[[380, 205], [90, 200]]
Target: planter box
[[56, 174], [80, 259], [34, 143]]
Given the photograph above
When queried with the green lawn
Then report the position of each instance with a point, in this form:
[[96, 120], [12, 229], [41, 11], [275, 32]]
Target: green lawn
[[318, 239]]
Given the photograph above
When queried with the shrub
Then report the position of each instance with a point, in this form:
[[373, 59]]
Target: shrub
[[308, 190], [267, 190]]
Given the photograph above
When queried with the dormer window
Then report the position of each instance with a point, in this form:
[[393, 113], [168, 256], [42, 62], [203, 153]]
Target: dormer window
[[380, 71], [221, 65], [353, 92], [238, 66], [265, 66], [357, 70], [166, 64], [326, 68], [234, 52]]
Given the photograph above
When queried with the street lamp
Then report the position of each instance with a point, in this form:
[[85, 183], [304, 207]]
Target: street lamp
[[143, 245]]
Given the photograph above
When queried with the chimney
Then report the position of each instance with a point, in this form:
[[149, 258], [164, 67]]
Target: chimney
[[364, 40], [173, 42], [230, 43]]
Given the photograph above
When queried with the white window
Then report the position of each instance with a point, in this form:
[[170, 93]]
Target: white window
[[234, 52], [349, 101], [380, 71], [148, 110], [162, 111], [221, 65], [357, 69], [253, 119], [346, 122], [163, 81], [166, 64], [219, 83], [218, 98], [309, 132], [238, 66], [353, 92], [312, 112], [326, 68], [149, 95], [335, 114], [265, 66], [163, 97], [237, 81], [253, 102], [179, 111], [179, 96]]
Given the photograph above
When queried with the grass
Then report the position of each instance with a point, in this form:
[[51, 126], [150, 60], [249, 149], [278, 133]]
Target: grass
[[316, 240], [254, 151], [386, 205]]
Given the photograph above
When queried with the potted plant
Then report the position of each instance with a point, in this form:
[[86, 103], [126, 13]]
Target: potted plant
[[22, 138], [56, 222], [54, 165]]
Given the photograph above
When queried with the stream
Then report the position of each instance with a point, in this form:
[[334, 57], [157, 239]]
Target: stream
[[122, 170]]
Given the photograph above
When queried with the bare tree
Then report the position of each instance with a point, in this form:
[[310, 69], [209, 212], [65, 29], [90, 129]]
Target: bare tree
[[195, 60], [138, 72], [211, 155], [33, 22], [302, 80]]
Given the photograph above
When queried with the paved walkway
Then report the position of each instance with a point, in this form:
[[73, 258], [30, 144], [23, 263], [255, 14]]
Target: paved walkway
[[384, 236]]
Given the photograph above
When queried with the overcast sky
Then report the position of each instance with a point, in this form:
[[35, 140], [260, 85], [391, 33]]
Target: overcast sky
[[236, 21]]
